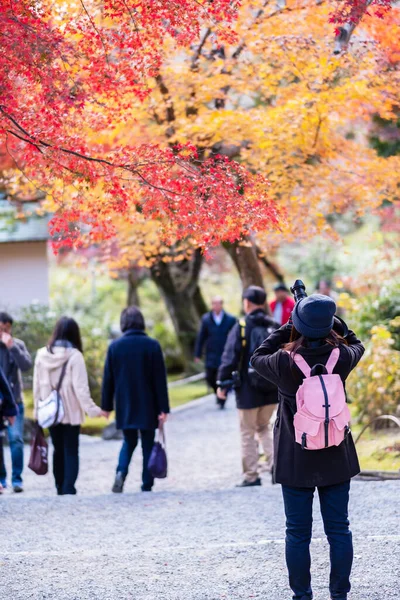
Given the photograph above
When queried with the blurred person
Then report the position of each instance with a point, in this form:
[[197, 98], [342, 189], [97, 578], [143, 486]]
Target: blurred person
[[135, 384], [214, 329], [256, 398], [284, 359], [324, 287], [282, 306], [8, 412], [64, 351], [14, 359]]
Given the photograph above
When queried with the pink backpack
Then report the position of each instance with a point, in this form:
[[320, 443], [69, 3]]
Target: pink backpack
[[322, 417]]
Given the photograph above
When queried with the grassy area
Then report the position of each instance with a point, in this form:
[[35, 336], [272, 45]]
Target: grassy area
[[379, 450], [178, 396]]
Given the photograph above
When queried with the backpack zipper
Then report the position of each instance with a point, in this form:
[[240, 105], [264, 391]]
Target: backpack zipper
[[304, 441], [327, 407]]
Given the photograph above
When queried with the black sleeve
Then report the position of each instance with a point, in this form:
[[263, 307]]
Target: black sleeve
[[21, 355], [354, 351], [160, 380], [9, 408], [266, 359], [201, 339], [108, 387], [231, 355]]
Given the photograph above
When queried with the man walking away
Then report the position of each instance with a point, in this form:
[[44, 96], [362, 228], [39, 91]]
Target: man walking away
[[283, 304], [214, 330], [135, 382], [256, 398], [14, 358]]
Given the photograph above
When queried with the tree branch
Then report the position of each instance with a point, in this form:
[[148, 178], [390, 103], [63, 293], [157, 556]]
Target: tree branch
[[271, 266], [197, 54], [169, 107], [40, 144], [345, 32]]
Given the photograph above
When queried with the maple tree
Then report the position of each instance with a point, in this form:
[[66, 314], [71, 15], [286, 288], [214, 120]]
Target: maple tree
[[74, 70], [166, 127]]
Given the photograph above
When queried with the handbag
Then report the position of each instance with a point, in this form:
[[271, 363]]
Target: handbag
[[158, 464], [51, 410], [38, 461]]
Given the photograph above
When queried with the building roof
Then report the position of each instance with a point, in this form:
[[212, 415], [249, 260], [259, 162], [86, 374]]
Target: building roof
[[14, 228]]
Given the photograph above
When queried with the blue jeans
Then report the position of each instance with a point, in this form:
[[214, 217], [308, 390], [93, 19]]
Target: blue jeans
[[16, 441], [128, 447], [334, 509]]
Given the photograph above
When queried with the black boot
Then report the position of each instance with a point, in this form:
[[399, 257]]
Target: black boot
[[245, 483], [119, 481], [221, 403]]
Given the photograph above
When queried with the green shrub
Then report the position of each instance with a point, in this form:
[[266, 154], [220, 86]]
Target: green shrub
[[172, 352], [374, 386], [379, 308]]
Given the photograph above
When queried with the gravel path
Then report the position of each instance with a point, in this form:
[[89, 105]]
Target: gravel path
[[195, 538]]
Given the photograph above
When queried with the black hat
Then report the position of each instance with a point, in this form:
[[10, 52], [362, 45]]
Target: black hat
[[280, 287], [313, 316], [256, 295]]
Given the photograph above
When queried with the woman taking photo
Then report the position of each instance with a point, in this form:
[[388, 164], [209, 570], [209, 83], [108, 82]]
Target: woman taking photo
[[63, 356], [299, 467]]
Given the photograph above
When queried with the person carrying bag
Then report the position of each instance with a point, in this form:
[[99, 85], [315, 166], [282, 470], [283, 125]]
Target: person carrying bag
[[313, 446], [61, 378]]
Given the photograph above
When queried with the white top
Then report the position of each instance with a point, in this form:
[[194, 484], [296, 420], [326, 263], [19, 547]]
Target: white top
[[218, 318], [74, 391]]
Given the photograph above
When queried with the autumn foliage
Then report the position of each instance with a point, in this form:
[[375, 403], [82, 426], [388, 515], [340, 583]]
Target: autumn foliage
[[124, 111]]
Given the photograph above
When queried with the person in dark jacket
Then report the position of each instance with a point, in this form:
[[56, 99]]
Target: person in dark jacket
[[256, 406], [8, 412], [135, 380], [14, 359], [213, 333], [301, 471]]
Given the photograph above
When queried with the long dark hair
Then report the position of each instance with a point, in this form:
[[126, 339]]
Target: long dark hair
[[66, 329], [297, 340]]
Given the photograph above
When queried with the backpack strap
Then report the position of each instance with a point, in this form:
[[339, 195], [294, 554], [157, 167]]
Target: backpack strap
[[243, 342], [332, 360], [303, 365], [58, 388]]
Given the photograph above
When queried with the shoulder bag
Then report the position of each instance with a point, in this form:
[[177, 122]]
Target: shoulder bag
[[51, 410]]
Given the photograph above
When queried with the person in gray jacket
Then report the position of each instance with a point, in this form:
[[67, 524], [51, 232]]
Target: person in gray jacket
[[14, 358]]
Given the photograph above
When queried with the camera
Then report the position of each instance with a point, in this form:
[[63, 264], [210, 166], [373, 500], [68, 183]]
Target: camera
[[298, 290]]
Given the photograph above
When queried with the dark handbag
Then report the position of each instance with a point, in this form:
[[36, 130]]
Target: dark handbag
[[158, 464], [38, 461]]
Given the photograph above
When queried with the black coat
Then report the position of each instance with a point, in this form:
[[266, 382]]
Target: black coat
[[293, 466], [135, 377], [8, 408], [246, 396], [213, 337]]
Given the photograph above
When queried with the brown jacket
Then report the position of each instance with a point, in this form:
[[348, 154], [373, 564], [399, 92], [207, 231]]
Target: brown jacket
[[75, 391]]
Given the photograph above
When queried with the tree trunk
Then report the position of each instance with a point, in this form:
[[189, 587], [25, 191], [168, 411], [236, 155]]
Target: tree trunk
[[133, 285], [178, 285], [199, 302], [245, 259]]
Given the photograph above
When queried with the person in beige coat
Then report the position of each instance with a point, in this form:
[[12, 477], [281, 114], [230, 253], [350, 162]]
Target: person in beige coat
[[65, 348]]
